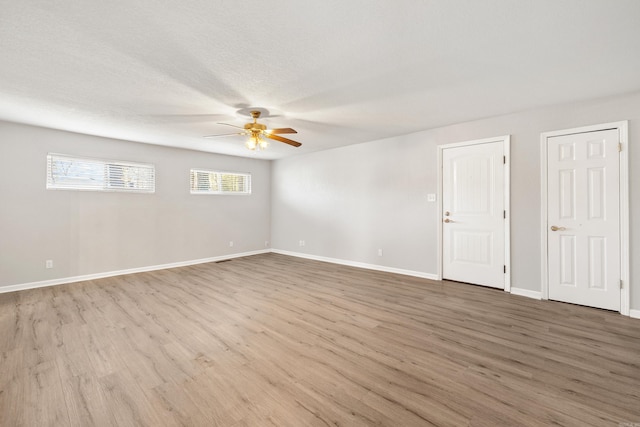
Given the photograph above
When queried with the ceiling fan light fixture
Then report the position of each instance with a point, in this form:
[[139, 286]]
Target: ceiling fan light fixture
[[253, 142], [256, 142]]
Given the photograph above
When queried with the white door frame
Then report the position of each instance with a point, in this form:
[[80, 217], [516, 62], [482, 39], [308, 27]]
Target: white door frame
[[622, 128], [506, 140]]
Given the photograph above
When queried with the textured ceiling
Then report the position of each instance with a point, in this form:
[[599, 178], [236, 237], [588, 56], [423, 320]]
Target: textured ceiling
[[340, 72]]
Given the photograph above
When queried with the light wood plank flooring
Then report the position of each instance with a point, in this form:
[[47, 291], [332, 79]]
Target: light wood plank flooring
[[271, 340]]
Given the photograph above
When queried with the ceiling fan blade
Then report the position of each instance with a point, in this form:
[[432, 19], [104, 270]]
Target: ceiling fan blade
[[227, 124], [282, 139], [282, 130], [224, 134]]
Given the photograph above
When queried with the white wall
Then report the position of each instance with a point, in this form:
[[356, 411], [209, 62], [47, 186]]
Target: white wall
[[91, 232], [348, 202]]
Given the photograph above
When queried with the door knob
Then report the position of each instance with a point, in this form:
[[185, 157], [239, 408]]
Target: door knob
[[554, 228], [447, 213], [448, 220]]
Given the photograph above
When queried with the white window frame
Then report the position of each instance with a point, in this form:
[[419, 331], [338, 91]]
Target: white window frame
[[245, 192], [80, 181]]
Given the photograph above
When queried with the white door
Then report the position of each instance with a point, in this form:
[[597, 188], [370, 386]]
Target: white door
[[473, 213], [583, 217]]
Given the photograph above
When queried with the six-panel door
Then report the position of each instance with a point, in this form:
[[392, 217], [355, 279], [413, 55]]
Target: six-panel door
[[583, 219]]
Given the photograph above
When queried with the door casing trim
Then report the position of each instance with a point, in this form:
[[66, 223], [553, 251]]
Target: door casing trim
[[506, 142], [623, 132]]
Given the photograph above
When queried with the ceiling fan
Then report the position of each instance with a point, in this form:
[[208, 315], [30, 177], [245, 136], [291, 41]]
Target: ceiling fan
[[257, 132]]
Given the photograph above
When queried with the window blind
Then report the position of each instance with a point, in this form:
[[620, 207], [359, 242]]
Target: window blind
[[66, 172], [217, 182]]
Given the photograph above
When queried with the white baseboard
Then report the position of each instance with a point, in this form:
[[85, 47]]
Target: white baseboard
[[359, 264], [634, 313], [63, 280], [526, 293]]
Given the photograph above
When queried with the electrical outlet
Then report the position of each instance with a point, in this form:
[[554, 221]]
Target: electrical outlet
[[301, 243], [49, 263], [231, 243], [266, 243], [379, 252]]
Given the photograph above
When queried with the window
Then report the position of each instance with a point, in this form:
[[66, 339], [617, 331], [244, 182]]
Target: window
[[75, 173], [216, 182]]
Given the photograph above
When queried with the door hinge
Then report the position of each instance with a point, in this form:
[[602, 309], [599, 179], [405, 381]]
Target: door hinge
[[504, 160], [621, 286], [504, 214], [505, 269], [619, 147]]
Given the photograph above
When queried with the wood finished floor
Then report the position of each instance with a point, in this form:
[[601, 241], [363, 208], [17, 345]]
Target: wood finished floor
[[275, 340]]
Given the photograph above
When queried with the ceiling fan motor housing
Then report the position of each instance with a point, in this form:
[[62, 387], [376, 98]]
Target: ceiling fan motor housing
[[257, 127]]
